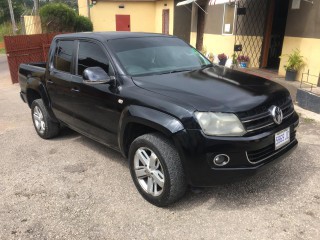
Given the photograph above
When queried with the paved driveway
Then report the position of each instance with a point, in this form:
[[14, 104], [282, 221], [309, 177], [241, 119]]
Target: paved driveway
[[74, 188]]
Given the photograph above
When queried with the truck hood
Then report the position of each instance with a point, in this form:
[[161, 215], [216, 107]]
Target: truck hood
[[214, 89]]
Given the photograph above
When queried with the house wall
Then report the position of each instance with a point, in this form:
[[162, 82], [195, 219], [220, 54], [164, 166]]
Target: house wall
[[159, 6], [303, 32], [213, 40], [182, 21], [145, 16], [250, 34]]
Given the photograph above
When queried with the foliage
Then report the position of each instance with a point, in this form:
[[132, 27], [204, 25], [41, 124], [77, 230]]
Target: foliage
[[234, 58], [204, 50], [19, 6], [295, 60], [71, 3], [57, 17], [243, 58], [6, 29], [83, 24]]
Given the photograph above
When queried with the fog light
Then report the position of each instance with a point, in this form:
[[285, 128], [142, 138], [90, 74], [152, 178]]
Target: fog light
[[221, 160]]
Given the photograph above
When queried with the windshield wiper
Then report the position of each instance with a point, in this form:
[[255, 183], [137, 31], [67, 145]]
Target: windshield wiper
[[174, 71]]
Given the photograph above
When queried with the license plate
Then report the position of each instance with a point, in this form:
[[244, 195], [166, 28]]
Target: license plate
[[282, 138]]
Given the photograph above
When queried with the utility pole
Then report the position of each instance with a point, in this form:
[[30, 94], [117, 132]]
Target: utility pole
[[14, 27], [36, 7]]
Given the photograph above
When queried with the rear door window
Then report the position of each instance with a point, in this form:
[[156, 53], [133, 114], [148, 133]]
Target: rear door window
[[63, 56]]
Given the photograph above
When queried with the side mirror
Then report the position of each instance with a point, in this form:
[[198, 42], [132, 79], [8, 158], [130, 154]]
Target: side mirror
[[96, 75]]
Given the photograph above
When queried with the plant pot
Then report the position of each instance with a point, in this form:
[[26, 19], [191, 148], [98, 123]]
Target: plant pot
[[243, 64], [291, 75], [222, 62]]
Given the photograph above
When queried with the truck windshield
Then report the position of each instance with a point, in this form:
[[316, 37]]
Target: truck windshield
[[156, 55]]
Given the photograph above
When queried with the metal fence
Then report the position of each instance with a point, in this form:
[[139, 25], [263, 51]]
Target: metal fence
[[249, 28], [26, 49]]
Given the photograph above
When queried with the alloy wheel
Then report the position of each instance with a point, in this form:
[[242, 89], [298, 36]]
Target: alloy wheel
[[38, 120], [149, 171]]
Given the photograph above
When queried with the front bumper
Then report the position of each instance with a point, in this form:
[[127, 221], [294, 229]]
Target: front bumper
[[198, 150]]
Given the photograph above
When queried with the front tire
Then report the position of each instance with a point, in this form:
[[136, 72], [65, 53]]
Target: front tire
[[156, 169], [43, 123]]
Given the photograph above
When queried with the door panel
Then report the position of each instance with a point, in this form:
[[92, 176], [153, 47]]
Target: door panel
[[95, 111], [95, 107], [58, 81], [165, 21], [122, 22]]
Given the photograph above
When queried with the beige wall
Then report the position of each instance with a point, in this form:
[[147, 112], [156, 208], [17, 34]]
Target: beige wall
[[32, 24], [159, 6], [215, 43], [145, 16], [310, 49]]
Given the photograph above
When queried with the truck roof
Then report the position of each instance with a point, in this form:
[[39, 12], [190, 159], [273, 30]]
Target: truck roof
[[105, 36]]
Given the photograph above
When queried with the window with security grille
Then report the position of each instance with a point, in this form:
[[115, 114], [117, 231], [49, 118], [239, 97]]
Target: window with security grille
[[249, 28]]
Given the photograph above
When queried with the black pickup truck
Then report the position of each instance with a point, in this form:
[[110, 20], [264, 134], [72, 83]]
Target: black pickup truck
[[179, 119]]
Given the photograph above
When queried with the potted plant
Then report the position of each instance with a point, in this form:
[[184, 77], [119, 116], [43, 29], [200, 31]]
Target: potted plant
[[234, 60], [210, 56], [243, 61], [294, 63], [222, 59]]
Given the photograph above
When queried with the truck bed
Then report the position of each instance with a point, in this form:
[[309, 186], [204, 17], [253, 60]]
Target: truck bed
[[34, 71]]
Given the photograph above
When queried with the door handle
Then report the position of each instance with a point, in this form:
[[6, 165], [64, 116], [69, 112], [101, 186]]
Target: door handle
[[75, 90], [49, 81]]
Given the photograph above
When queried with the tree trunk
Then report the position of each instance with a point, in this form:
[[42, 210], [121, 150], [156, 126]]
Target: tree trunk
[[200, 23]]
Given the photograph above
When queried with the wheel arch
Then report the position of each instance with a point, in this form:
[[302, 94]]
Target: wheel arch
[[137, 120], [37, 90]]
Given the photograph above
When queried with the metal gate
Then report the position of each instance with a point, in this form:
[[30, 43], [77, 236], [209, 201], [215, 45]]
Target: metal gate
[[26, 49], [249, 29]]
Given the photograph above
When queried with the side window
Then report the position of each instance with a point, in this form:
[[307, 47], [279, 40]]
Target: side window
[[63, 56], [91, 55]]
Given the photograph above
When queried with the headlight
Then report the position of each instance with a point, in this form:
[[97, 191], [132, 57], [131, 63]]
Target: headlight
[[220, 124]]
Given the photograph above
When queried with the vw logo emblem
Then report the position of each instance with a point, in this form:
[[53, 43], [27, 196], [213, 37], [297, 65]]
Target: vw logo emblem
[[276, 114]]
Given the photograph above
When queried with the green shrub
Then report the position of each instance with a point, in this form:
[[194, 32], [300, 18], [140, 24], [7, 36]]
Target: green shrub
[[295, 60], [83, 24], [6, 29], [57, 17]]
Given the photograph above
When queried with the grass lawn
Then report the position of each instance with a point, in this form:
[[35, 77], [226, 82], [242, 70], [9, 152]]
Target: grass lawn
[[2, 51]]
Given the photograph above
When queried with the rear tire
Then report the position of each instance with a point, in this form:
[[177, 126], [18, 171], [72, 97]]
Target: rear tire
[[156, 169], [43, 123]]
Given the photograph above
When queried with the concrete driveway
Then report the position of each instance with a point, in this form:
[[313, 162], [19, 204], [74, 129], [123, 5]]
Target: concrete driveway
[[74, 188]]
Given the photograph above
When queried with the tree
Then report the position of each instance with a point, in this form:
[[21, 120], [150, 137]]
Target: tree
[[57, 17], [19, 6], [83, 24]]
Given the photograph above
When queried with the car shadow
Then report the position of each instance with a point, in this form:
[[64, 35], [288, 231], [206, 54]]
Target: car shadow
[[267, 187], [113, 155]]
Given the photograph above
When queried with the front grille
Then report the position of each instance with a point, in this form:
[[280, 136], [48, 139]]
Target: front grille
[[260, 118], [263, 154]]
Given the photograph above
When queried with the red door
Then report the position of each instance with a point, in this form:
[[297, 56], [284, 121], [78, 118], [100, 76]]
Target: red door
[[165, 21], [123, 22]]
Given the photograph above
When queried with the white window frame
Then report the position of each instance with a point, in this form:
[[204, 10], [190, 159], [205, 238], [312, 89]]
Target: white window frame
[[234, 18]]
